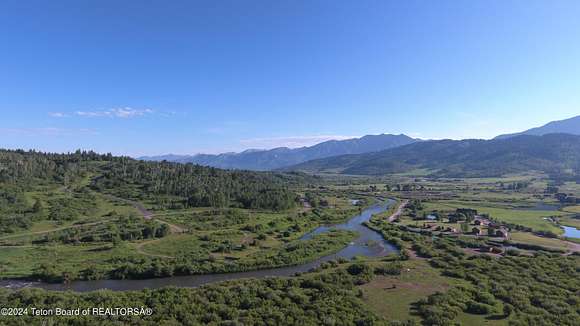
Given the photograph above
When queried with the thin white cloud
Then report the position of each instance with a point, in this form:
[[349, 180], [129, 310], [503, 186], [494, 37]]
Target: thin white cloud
[[291, 141], [123, 113], [166, 114], [46, 131], [58, 115]]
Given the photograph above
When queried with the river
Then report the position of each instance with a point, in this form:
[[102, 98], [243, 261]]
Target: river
[[369, 243], [571, 232]]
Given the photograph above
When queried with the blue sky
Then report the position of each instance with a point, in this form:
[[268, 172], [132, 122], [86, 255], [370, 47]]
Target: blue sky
[[152, 77]]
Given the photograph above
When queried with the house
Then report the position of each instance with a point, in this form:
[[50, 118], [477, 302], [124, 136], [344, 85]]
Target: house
[[496, 230], [481, 220]]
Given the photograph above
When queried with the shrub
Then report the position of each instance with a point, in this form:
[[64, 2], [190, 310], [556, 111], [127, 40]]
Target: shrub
[[389, 269]]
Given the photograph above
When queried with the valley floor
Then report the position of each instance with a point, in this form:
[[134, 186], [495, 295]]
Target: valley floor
[[444, 273]]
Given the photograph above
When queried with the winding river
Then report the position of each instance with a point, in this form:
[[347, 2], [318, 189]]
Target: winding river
[[369, 243]]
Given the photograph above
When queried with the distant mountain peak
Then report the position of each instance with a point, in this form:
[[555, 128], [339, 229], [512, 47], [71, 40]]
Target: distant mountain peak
[[566, 126]]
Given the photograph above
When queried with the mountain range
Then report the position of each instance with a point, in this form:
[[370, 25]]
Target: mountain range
[[553, 148], [567, 126], [261, 160], [556, 154]]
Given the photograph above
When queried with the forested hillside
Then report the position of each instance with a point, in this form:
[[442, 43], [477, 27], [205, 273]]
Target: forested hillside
[[555, 154], [189, 185], [24, 167], [24, 175]]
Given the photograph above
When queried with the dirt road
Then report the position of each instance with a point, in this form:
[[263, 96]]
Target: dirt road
[[399, 211]]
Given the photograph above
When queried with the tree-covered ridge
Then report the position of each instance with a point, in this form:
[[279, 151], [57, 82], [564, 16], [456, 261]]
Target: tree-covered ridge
[[188, 185], [23, 167], [168, 184]]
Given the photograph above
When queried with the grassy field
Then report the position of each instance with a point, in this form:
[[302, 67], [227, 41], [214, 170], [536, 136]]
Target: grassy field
[[529, 238], [392, 297], [24, 261], [572, 209], [18, 262], [570, 221]]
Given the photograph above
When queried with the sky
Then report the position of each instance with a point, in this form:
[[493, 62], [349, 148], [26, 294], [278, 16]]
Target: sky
[[184, 77]]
